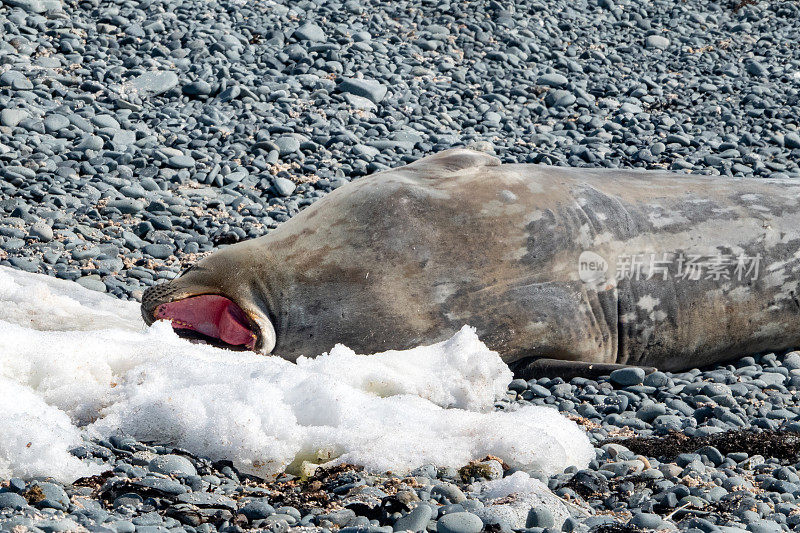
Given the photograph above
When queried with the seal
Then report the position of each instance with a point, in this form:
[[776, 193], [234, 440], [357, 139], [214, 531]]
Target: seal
[[560, 270]]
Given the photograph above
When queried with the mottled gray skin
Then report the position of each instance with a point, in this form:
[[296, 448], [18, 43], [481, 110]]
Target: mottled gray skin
[[408, 256]]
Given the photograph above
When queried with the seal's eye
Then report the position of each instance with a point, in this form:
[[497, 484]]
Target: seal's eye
[[187, 269]]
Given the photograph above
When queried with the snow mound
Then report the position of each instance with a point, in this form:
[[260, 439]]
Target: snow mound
[[79, 364]]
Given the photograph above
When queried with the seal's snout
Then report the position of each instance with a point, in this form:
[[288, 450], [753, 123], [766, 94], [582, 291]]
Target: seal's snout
[[200, 313], [153, 297]]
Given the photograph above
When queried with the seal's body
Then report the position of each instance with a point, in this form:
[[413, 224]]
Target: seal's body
[[586, 265]]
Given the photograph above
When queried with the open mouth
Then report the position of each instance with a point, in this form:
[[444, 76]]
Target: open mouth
[[210, 318]]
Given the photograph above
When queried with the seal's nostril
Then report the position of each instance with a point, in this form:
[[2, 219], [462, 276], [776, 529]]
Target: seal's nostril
[[153, 297]]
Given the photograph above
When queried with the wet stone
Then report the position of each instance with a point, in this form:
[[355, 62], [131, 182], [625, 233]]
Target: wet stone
[[197, 88], [166, 486], [159, 251], [372, 90], [41, 232], [552, 80], [172, 464], [625, 377], [283, 186], [92, 283], [45, 494], [126, 206], [540, 517], [181, 161], [657, 41], [10, 500], [154, 82], [207, 499], [459, 522], [255, 510], [416, 520], [309, 32]]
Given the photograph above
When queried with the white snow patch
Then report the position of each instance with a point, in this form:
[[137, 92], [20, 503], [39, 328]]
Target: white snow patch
[[36, 436], [75, 364]]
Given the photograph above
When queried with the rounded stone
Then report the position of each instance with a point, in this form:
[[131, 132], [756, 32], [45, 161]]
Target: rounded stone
[[41, 231], [105, 121], [197, 88], [372, 90], [309, 32], [10, 500], [58, 525], [646, 521], [91, 142], [257, 509], [49, 495], [283, 186], [92, 283], [126, 206], [462, 522], [154, 82], [287, 145], [172, 465], [791, 140], [792, 360], [55, 123], [559, 98], [715, 389], [518, 385], [656, 379], [12, 117], [181, 161], [552, 80], [159, 251], [540, 517], [627, 377], [449, 491], [756, 69], [657, 41], [416, 520]]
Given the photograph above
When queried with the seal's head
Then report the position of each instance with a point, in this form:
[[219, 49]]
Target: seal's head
[[213, 301]]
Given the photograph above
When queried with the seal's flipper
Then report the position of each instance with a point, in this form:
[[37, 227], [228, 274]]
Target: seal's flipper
[[455, 159], [557, 368]]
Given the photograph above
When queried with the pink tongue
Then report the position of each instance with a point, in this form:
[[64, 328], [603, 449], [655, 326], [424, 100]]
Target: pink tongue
[[211, 315]]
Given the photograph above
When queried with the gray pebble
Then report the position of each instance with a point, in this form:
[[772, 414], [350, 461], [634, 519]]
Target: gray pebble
[[657, 41], [626, 377], [172, 464], [9, 500], [12, 117], [310, 32], [41, 231], [416, 520], [92, 283], [462, 522], [154, 82], [370, 89]]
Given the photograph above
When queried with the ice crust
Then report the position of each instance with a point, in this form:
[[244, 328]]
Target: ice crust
[[75, 364]]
